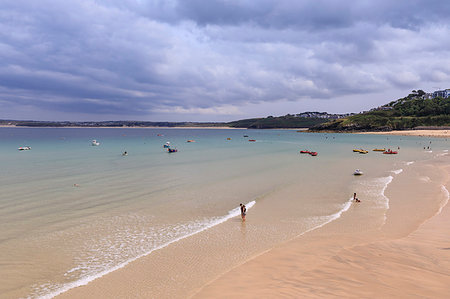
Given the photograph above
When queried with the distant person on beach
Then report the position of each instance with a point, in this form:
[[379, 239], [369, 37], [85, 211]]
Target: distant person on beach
[[243, 211], [355, 198]]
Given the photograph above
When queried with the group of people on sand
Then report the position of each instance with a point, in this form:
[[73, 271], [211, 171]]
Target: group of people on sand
[[243, 211]]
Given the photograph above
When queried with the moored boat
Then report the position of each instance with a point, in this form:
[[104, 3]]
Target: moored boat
[[305, 152], [390, 152], [313, 153], [252, 140], [358, 172], [379, 149], [24, 148], [172, 150], [95, 143], [167, 145]]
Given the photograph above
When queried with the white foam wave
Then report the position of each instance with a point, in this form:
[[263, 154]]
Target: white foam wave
[[88, 278], [445, 202], [398, 171], [409, 163], [332, 217]]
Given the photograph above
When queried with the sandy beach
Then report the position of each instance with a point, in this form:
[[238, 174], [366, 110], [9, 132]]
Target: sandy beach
[[409, 257], [423, 133]]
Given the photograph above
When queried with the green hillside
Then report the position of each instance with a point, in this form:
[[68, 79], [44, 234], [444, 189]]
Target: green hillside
[[281, 122], [405, 113]]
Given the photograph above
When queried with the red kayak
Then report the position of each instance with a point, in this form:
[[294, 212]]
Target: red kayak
[[305, 152], [252, 140], [313, 153], [389, 152]]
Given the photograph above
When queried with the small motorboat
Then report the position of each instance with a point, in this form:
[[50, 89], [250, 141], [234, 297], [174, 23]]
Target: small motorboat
[[190, 140], [379, 149], [228, 138], [172, 150], [95, 143], [313, 154], [245, 135], [24, 148], [252, 140], [361, 151], [358, 172], [390, 152], [305, 152], [167, 145]]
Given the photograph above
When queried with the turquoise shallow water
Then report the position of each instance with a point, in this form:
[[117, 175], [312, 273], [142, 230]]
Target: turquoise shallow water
[[56, 235]]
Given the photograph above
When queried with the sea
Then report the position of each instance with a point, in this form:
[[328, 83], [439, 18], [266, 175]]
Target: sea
[[71, 212]]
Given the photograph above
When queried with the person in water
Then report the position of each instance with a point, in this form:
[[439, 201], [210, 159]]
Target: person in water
[[243, 211], [355, 198]]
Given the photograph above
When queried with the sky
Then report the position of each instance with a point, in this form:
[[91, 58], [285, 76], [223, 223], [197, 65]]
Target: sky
[[216, 60]]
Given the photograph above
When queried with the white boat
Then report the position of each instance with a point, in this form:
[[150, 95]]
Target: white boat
[[167, 145], [24, 148], [95, 143], [358, 172]]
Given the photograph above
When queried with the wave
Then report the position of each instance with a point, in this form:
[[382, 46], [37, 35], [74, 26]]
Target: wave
[[445, 202], [332, 217], [88, 278], [409, 163], [398, 171]]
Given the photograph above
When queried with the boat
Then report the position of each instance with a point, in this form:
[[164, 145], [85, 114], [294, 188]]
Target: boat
[[24, 148], [190, 141], [379, 149], [358, 172], [390, 152], [313, 153], [228, 138], [361, 151], [252, 140], [95, 143], [245, 135], [167, 145], [172, 150], [305, 152]]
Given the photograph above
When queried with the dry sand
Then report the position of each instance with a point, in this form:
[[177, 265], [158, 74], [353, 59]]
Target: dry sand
[[409, 257], [424, 133]]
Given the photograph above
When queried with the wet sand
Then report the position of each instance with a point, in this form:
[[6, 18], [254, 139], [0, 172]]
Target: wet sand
[[409, 256]]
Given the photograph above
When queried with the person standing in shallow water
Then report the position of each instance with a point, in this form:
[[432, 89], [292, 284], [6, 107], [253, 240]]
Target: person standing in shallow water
[[355, 198], [243, 211]]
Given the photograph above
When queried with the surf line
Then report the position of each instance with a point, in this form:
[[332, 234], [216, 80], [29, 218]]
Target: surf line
[[85, 280], [331, 217]]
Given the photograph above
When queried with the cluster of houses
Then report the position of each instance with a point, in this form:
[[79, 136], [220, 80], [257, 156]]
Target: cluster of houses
[[444, 93], [323, 115]]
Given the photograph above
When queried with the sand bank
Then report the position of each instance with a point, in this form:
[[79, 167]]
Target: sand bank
[[424, 133], [407, 257]]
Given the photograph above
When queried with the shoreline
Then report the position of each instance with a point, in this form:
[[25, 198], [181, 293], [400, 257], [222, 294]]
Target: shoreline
[[444, 133], [411, 261], [270, 271]]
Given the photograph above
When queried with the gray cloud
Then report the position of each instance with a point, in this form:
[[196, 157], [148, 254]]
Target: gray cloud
[[143, 58]]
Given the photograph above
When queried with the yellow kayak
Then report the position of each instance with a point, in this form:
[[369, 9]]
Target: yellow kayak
[[379, 149], [361, 151]]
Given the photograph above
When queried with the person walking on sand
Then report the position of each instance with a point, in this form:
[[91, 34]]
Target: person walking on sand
[[355, 199]]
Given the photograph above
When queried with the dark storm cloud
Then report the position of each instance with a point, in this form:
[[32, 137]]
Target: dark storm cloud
[[137, 58]]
